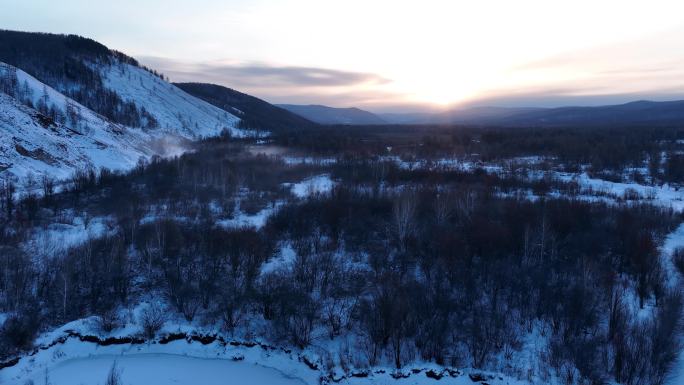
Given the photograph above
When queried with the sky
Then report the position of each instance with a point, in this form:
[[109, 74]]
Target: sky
[[392, 55]]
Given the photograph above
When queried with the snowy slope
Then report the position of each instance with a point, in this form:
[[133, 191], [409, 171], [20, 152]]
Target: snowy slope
[[176, 111], [31, 144]]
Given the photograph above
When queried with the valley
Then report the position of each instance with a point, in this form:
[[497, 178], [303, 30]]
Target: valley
[[189, 232]]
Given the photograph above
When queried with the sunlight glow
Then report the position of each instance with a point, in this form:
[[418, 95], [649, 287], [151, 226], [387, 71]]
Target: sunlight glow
[[435, 51]]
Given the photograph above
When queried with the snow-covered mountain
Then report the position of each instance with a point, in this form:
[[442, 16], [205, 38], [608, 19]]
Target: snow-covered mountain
[[32, 142], [176, 111], [254, 113], [131, 112]]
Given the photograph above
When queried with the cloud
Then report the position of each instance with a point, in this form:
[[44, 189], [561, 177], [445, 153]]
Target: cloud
[[287, 84], [262, 74], [651, 67], [291, 76], [578, 96]]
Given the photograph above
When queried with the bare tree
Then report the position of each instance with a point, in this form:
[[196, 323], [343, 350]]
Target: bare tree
[[48, 185], [152, 319], [443, 207], [403, 215]]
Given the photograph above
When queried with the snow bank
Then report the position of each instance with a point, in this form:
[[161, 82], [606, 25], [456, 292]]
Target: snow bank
[[158, 368], [184, 362]]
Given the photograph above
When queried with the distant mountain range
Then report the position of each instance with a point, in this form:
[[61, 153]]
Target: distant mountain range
[[628, 114], [636, 113], [469, 115], [331, 115]]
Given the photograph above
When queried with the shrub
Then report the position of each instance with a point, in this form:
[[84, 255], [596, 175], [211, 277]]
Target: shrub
[[108, 321], [152, 319], [17, 334]]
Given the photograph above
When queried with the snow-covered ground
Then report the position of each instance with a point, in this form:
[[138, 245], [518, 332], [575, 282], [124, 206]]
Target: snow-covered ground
[[295, 160], [673, 242], [184, 362], [591, 189], [256, 220], [282, 260], [59, 237], [664, 195], [158, 368], [317, 185]]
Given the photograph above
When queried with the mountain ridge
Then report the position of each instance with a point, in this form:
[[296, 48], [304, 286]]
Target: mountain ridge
[[638, 112], [90, 107], [254, 113], [332, 115]]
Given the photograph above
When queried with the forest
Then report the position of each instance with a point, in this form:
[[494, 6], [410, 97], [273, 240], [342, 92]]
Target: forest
[[401, 258], [68, 63]]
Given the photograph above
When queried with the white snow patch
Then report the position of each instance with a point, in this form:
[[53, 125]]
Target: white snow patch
[[664, 195], [59, 237], [242, 219], [285, 258], [294, 160], [317, 185]]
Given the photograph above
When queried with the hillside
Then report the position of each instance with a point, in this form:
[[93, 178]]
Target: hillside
[[111, 84], [254, 113], [175, 111], [58, 135], [70, 103], [330, 115], [633, 113]]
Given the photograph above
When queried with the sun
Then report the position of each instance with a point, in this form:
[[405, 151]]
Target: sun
[[443, 95], [440, 85]]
